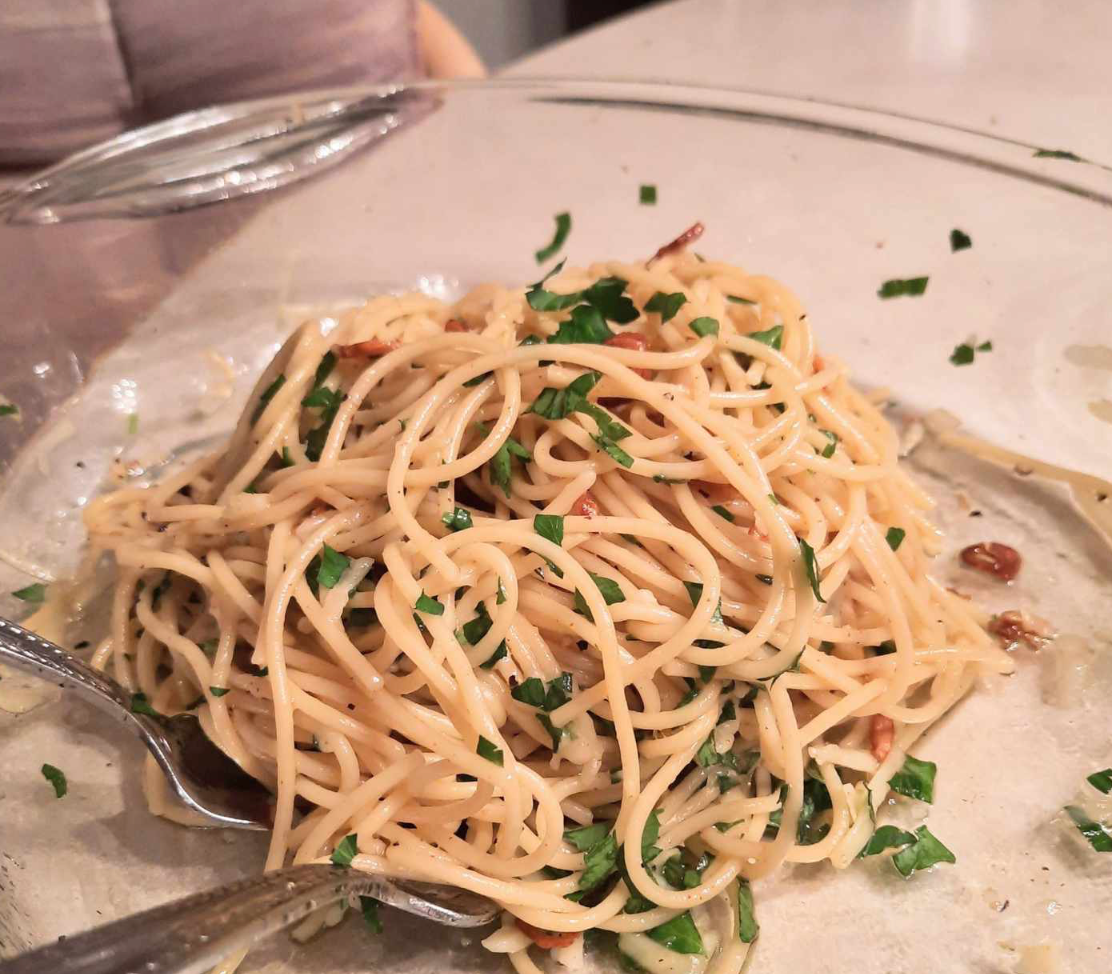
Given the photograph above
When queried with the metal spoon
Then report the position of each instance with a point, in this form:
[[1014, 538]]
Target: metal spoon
[[194, 934], [202, 776]]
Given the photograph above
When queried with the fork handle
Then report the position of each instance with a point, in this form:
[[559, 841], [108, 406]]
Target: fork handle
[[192, 935]]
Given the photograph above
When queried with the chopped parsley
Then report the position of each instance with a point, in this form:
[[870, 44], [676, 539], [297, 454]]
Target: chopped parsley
[[501, 465], [1057, 154], [747, 926], [811, 565], [607, 295], [1097, 835], [9, 409], [458, 520], [141, 705], [563, 227], [501, 597], [608, 446], [430, 605], [57, 778], [959, 240], [324, 370], [707, 756], [772, 337], [267, 394], [912, 287], [610, 590], [535, 693], [35, 593], [132, 424], [679, 934], [739, 300], [915, 779], [346, 850], [704, 326], [561, 403], [218, 691], [586, 326], [328, 401], [332, 566], [550, 526], [695, 592], [926, 851], [601, 848], [659, 478], [894, 537], [486, 749], [886, 837], [964, 353], [1101, 780], [666, 305], [369, 907], [647, 194], [831, 443], [722, 512]]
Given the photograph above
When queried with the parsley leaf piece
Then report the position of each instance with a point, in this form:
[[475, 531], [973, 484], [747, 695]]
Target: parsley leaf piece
[[501, 597], [529, 691], [369, 907], [886, 837], [458, 520], [218, 691], [912, 287], [962, 354], [1097, 835], [608, 295], [647, 194], [600, 862], [666, 305], [1101, 780], [556, 733], [477, 628], [323, 398], [1057, 154], [588, 836], [894, 537], [430, 605], [132, 424], [985, 347], [332, 566], [9, 409], [267, 394], [831, 443], [550, 526], [140, 705], [722, 512], [563, 227], [57, 778], [747, 926], [704, 326], [561, 403], [610, 590], [486, 749], [345, 851], [608, 446], [926, 851], [695, 592], [649, 835], [659, 478], [585, 326], [324, 370], [739, 300], [772, 337], [286, 460], [810, 563], [679, 934], [959, 240], [35, 594], [915, 779]]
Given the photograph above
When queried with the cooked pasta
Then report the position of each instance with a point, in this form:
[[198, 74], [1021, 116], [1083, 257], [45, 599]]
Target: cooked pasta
[[603, 598]]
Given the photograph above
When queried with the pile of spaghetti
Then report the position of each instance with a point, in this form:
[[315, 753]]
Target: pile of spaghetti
[[603, 598]]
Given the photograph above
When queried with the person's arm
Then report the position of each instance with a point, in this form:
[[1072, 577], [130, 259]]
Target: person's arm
[[444, 51]]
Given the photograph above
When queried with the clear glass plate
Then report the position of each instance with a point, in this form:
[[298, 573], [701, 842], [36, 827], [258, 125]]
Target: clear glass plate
[[169, 312]]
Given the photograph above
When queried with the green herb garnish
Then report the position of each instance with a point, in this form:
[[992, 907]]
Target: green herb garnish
[[486, 749], [458, 520], [1101, 780], [747, 926], [926, 851], [267, 394], [912, 287], [586, 326], [666, 305], [346, 850], [962, 354], [610, 590], [34, 593], [772, 337], [679, 934], [430, 605], [722, 512], [9, 409], [332, 566], [704, 326], [915, 779], [608, 446], [563, 227], [218, 691], [140, 705], [1057, 154], [369, 907], [886, 837], [1097, 835], [811, 565], [894, 537], [959, 240], [57, 778], [647, 194], [831, 443]]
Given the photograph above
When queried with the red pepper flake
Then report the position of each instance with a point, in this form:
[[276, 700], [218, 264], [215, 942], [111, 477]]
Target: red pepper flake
[[585, 506], [881, 734], [1016, 626], [372, 348], [546, 939], [993, 558], [690, 235], [635, 342], [454, 324]]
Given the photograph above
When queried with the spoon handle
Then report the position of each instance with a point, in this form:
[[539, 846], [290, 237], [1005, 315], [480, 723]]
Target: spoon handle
[[194, 934]]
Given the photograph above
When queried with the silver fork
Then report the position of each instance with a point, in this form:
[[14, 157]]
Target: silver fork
[[192, 935]]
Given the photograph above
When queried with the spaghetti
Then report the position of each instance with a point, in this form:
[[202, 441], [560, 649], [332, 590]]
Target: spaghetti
[[575, 597]]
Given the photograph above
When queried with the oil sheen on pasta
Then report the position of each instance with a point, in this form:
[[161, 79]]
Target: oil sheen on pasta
[[705, 678]]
